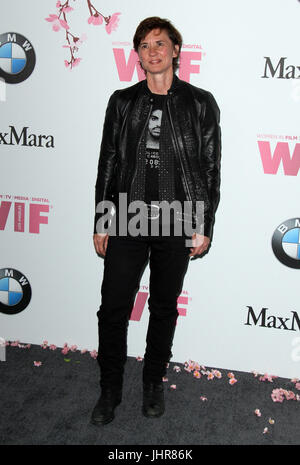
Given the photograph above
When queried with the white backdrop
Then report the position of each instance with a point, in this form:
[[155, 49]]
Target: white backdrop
[[241, 269]]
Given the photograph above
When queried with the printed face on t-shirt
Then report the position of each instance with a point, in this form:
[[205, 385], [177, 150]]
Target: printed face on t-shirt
[[154, 129]]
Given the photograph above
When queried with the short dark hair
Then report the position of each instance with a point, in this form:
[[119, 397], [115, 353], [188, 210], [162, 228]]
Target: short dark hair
[[154, 22]]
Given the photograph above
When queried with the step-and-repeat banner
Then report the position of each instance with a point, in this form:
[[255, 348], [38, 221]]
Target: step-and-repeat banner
[[59, 63]]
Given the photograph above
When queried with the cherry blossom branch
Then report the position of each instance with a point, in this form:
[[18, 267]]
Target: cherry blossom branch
[[60, 20]]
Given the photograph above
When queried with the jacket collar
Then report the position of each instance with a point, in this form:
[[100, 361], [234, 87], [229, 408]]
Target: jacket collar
[[174, 86]]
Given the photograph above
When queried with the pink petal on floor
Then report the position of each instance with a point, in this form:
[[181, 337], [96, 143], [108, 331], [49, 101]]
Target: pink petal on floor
[[232, 381]]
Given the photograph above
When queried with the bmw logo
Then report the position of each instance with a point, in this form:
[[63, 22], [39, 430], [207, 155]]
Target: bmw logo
[[286, 243], [15, 291], [17, 57]]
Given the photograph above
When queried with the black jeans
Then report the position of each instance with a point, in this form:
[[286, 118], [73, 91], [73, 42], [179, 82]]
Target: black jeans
[[124, 263]]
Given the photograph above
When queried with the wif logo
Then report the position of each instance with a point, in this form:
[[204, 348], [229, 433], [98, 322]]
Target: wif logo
[[21, 213], [127, 67], [279, 153], [141, 300]]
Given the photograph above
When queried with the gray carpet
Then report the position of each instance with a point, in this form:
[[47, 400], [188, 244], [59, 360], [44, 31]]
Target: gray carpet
[[52, 403]]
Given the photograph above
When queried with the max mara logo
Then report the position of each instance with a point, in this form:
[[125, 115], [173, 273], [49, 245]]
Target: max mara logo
[[272, 321], [25, 138], [280, 70]]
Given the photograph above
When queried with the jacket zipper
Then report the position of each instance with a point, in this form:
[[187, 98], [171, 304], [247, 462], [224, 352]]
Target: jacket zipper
[[138, 147], [178, 151]]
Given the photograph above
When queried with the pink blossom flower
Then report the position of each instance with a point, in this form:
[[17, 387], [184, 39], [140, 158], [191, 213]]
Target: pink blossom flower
[[66, 63], [83, 351], [79, 40], [73, 348], [255, 373], [267, 377], [37, 364], [297, 386], [289, 395], [57, 23], [295, 380], [15, 343], [277, 395], [95, 19], [165, 379], [271, 421], [58, 4], [112, 23], [52, 347], [54, 19], [257, 412], [265, 430], [64, 24], [197, 366], [191, 365], [93, 354], [217, 373], [173, 386], [230, 375], [197, 374], [65, 350], [203, 398], [67, 9], [139, 359], [210, 376], [76, 62], [188, 368], [51, 18], [232, 381]]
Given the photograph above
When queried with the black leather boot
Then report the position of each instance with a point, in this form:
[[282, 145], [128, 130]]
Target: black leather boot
[[103, 412], [153, 400]]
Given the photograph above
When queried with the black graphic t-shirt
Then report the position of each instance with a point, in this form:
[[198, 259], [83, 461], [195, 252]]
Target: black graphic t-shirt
[[159, 171], [153, 154], [152, 149]]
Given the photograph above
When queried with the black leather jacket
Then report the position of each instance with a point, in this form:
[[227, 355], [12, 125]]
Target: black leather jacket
[[194, 120]]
